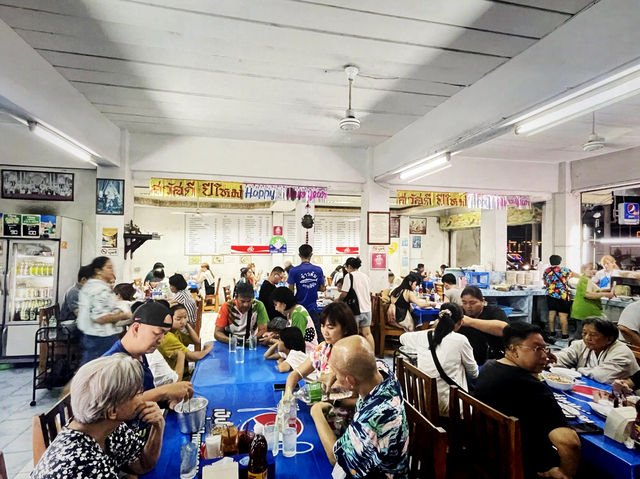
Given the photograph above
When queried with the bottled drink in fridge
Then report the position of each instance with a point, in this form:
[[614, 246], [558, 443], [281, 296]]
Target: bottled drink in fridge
[[258, 458]]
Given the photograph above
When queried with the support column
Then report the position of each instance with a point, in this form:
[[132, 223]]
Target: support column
[[122, 268], [567, 229], [493, 240], [374, 198]]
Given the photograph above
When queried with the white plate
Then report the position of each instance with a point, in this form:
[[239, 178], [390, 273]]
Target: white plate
[[572, 373]]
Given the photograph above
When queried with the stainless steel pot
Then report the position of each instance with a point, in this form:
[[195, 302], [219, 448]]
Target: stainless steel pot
[[191, 414]]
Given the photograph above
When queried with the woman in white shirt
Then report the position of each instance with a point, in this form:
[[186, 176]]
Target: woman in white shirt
[[453, 350], [362, 289]]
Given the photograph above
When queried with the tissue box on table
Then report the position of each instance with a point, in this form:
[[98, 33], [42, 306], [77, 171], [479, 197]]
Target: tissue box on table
[[271, 464]]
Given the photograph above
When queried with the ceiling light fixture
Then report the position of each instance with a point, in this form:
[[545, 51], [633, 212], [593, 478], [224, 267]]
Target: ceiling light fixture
[[426, 166], [430, 172], [605, 92], [61, 142], [619, 241]]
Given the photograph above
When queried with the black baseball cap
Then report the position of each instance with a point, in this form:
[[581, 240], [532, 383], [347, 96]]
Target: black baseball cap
[[153, 314]]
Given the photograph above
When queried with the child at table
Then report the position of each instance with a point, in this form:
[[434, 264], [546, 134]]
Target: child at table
[[177, 340], [289, 351]]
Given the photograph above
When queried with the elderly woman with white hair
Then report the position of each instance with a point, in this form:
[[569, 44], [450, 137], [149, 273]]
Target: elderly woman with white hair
[[105, 393]]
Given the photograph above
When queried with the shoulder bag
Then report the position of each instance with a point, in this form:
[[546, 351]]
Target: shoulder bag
[[352, 298], [444, 376]]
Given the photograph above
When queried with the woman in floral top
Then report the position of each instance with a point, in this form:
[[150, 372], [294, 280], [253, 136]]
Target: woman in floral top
[[337, 322], [285, 302], [555, 281]]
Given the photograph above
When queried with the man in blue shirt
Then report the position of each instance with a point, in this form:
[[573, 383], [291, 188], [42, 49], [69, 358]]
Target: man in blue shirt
[[151, 322], [305, 280]]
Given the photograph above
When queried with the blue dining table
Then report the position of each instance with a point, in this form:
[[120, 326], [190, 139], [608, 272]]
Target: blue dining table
[[425, 315], [612, 458], [244, 394]]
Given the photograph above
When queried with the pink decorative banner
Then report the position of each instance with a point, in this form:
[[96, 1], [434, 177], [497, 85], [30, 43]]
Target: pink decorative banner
[[347, 250], [497, 202]]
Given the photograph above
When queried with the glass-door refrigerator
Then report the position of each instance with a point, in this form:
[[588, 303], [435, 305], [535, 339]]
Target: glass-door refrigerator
[[31, 283]]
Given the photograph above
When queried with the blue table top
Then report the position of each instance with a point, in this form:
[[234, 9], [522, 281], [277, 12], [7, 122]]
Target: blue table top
[[605, 453], [245, 393], [425, 315]]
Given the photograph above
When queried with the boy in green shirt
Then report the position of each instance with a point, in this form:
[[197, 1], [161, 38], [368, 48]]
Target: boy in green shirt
[[177, 340], [587, 299]]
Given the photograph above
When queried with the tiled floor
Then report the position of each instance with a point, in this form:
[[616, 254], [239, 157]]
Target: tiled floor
[[16, 414]]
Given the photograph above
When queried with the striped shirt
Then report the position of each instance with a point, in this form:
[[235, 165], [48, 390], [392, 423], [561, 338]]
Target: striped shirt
[[184, 297]]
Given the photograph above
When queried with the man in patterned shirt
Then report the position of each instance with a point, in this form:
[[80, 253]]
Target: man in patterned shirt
[[375, 443]]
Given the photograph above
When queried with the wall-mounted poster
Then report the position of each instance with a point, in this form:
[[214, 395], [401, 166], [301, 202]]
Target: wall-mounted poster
[[405, 242], [31, 226], [109, 197], [109, 242], [48, 226], [416, 242], [378, 227], [395, 226], [418, 226], [378, 261], [12, 225], [37, 185]]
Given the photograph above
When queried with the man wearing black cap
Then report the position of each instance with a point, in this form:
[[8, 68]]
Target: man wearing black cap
[[151, 322]]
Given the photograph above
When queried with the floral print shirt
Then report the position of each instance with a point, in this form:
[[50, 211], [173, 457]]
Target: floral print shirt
[[376, 442], [555, 280], [320, 357]]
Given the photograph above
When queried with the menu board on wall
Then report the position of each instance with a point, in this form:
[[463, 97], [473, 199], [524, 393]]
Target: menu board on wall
[[215, 234], [333, 232]]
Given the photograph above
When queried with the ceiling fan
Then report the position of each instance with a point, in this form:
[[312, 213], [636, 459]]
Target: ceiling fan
[[594, 142], [350, 122]]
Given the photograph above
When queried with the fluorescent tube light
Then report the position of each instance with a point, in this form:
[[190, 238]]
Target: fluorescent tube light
[[620, 241], [430, 172], [432, 163], [610, 90], [61, 142], [419, 162]]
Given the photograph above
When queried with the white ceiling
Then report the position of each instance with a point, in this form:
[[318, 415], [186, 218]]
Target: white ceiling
[[273, 69], [619, 124]]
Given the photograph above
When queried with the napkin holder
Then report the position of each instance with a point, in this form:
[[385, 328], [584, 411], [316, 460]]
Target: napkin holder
[[619, 421], [243, 461]]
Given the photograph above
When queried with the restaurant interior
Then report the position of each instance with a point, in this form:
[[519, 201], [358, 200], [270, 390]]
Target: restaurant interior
[[478, 138]]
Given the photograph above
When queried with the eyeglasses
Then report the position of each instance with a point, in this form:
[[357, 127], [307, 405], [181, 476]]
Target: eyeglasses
[[537, 349]]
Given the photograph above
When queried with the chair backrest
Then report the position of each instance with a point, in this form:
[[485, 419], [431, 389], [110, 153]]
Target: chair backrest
[[428, 446], [419, 389], [227, 293], [217, 286], [46, 426], [3, 467], [489, 441], [44, 314]]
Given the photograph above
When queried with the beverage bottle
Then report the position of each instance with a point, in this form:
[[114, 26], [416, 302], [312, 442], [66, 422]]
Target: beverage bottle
[[33, 312], [24, 312], [258, 458]]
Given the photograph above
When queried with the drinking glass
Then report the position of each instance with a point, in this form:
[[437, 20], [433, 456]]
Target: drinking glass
[[270, 432], [253, 342], [188, 461], [232, 344], [240, 350], [289, 438]]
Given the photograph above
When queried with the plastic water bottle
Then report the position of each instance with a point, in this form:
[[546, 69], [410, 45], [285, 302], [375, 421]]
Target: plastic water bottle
[[188, 461]]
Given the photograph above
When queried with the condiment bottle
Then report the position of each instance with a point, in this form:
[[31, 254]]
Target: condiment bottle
[[258, 458]]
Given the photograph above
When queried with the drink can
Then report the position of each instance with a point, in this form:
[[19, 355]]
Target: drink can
[[315, 391]]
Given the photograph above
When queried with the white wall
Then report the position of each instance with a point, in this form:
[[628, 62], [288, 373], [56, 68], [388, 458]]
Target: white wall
[[83, 206], [613, 169], [242, 160]]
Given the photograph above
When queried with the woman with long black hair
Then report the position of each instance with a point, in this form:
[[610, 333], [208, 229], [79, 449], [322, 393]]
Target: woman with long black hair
[[444, 354], [399, 312]]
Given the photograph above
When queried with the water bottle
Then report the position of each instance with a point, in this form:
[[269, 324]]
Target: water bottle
[[188, 461]]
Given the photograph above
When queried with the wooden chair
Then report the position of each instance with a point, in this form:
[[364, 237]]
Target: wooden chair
[[227, 293], [484, 443], [3, 468], [418, 389], [385, 330], [198, 326], [212, 301], [46, 426], [636, 352], [427, 446]]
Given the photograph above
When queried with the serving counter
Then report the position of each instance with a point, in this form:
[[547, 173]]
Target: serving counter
[[521, 302]]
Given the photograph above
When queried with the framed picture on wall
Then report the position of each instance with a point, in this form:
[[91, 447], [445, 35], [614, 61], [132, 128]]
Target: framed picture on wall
[[395, 227], [37, 185], [378, 227], [418, 226], [109, 196], [416, 242]]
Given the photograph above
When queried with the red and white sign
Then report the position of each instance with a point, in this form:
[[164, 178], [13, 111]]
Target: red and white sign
[[277, 231], [378, 261], [249, 249], [347, 249]]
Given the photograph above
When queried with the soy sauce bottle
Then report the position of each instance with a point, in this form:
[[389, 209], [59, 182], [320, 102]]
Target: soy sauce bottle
[[258, 458]]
